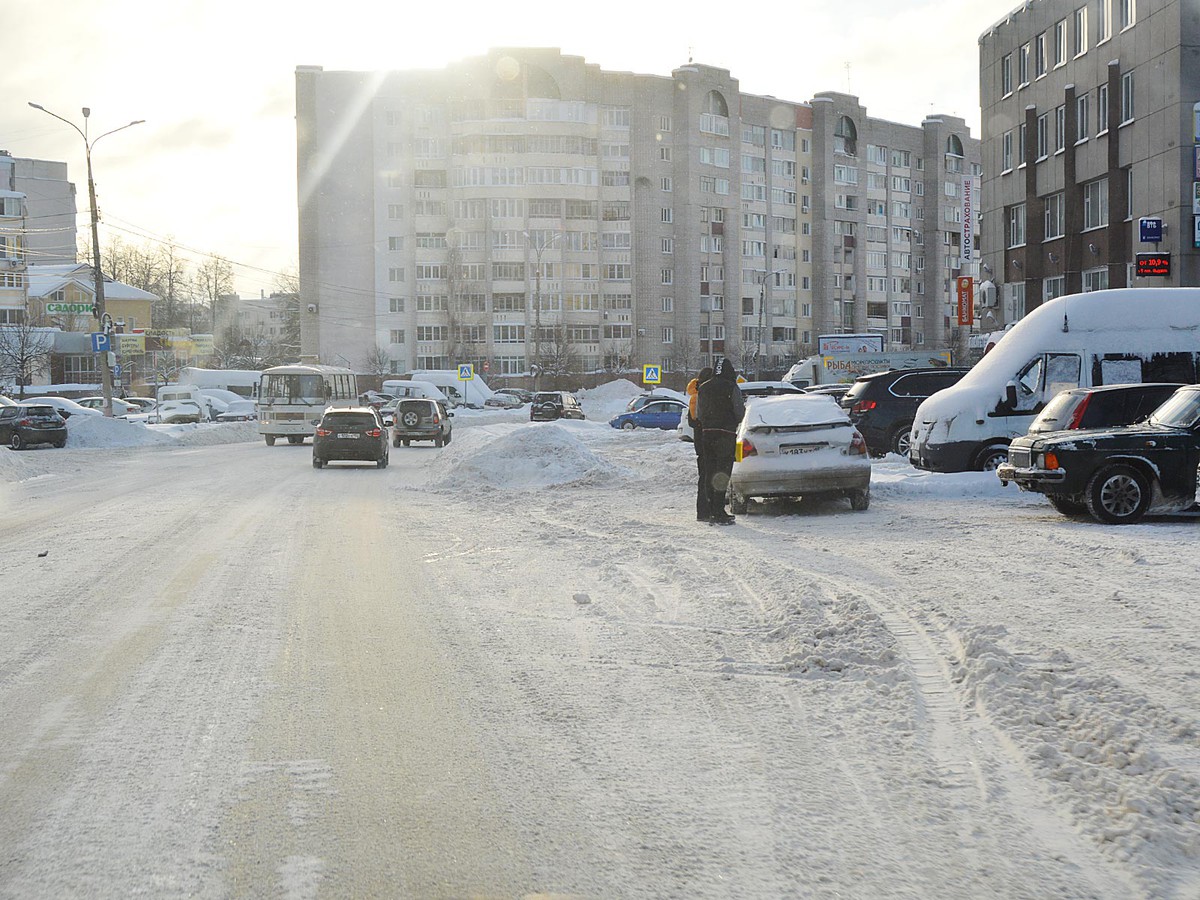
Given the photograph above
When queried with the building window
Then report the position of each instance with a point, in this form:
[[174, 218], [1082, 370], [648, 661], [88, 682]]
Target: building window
[[1043, 136], [665, 183], [668, 334], [1007, 152], [1104, 22], [1128, 13], [668, 245], [1022, 143], [1039, 56], [396, 304], [1095, 279], [1081, 118], [397, 335], [1023, 66], [1016, 225], [668, 215], [664, 123], [1054, 287], [1055, 216], [1006, 72], [1126, 98], [1060, 128], [1081, 35], [664, 154], [666, 276], [1060, 43], [1095, 204]]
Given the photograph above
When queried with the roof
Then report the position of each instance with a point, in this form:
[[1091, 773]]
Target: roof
[[45, 280]]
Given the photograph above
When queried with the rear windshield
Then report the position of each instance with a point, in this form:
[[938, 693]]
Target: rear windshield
[[349, 420], [419, 406], [1057, 413], [40, 411]]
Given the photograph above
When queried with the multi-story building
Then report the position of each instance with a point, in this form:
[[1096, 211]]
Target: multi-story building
[[529, 209], [1088, 127]]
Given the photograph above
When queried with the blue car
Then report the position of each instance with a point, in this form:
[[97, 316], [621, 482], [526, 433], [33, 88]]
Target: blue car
[[662, 414]]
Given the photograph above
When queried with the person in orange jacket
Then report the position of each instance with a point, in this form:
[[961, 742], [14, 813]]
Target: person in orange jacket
[[693, 392]]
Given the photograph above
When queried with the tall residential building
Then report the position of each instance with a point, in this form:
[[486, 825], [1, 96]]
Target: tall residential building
[[50, 215], [526, 208], [1088, 127]]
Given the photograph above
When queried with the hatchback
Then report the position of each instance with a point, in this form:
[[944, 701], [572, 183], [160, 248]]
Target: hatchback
[[550, 405], [882, 405], [799, 445], [418, 419], [66, 408], [119, 407], [1101, 407], [24, 425], [354, 433], [664, 414]]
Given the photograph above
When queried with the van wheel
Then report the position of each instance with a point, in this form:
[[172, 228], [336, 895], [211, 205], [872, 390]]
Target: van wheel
[[295, 439], [860, 499], [1118, 495], [991, 457], [900, 440], [270, 439]]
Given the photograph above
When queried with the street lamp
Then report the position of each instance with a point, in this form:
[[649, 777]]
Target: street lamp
[[100, 313], [536, 366]]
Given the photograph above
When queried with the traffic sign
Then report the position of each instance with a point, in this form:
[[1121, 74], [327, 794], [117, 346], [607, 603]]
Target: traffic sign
[[466, 371], [117, 371], [651, 374], [101, 342]]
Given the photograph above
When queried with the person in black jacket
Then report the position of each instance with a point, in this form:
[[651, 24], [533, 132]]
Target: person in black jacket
[[720, 409], [693, 390]]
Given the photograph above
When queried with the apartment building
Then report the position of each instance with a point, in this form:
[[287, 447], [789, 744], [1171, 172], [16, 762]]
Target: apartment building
[[1088, 128], [528, 209]]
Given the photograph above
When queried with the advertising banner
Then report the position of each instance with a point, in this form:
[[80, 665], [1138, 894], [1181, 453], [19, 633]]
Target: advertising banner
[[965, 289], [969, 216]]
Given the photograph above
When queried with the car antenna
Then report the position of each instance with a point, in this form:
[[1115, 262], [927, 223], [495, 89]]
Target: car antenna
[[1066, 327]]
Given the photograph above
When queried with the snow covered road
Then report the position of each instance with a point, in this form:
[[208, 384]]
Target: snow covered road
[[517, 666]]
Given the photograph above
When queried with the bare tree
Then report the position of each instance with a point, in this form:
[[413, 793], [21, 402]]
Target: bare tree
[[559, 358], [213, 279], [25, 350], [379, 361]]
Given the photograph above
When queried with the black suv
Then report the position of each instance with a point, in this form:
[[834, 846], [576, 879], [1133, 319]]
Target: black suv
[[550, 405], [24, 425], [418, 419], [882, 405], [1116, 474], [355, 432]]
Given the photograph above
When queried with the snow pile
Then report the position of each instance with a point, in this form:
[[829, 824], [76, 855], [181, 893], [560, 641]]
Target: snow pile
[[98, 432], [1095, 743], [603, 402], [533, 456], [19, 465]]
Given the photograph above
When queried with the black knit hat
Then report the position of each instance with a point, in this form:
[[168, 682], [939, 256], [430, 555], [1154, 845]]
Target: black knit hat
[[725, 369]]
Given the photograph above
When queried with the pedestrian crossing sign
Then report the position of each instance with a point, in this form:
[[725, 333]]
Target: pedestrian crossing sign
[[651, 374], [466, 371]]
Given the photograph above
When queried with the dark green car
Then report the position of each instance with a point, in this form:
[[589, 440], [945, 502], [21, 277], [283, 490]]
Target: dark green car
[[1118, 475]]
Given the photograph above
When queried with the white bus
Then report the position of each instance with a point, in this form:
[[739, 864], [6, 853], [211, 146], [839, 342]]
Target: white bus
[[292, 398], [243, 382]]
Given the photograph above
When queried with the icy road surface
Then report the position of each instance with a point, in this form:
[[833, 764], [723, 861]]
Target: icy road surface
[[518, 667]]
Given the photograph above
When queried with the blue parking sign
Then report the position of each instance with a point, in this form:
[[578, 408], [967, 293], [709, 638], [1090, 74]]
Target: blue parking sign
[[101, 342]]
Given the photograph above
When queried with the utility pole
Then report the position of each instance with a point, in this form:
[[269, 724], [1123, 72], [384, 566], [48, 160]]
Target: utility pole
[[100, 314]]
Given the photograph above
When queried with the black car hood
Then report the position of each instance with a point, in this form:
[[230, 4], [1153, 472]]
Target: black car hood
[[1122, 437]]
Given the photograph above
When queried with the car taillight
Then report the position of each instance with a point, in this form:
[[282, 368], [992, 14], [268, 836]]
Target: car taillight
[[1078, 417], [862, 406], [858, 445], [436, 420], [374, 432], [323, 432], [744, 449]]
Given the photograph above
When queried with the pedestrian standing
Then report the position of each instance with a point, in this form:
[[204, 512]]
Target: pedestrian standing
[[721, 407], [693, 391]]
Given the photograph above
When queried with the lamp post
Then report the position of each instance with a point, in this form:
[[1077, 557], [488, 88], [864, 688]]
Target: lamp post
[[536, 365], [98, 277]]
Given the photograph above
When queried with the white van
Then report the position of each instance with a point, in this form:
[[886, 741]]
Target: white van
[[405, 388], [473, 393], [1120, 336]]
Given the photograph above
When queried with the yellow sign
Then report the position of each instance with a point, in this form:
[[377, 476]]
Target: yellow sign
[[131, 344]]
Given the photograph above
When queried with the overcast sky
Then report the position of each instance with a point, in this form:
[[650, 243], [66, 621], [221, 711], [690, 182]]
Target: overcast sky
[[214, 166]]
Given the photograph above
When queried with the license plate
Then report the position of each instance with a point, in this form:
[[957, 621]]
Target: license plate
[[797, 449], [351, 436]]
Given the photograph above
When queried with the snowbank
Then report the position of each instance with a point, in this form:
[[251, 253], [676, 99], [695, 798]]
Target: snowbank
[[607, 400], [97, 432], [522, 458]]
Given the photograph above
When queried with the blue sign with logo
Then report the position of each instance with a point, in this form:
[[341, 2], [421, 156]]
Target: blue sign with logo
[[101, 342], [1150, 230]]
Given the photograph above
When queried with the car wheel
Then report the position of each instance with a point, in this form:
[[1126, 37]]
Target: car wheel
[[58, 445], [381, 463], [318, 463], [438, 441], [991, 457], [1068, 506], [627, 426], [16, 442], [1118, 495], [899, 442], [270, 439], [295, 439], [406, 442], [395, 442], [860, 499], [738, 503]]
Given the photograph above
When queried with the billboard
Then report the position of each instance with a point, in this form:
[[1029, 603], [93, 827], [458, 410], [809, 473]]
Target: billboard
[[970, 214]]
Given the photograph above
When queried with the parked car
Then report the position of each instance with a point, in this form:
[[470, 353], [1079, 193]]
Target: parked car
[[4, 401], [504, 400], [26, 424], [767, 388], [240, 411], [833, 391], [120, 407], [664, 414], [657, 394], [550, 405], [144, 404], [66, 408], [799, 446], [882, 405], [1118, 475], [421, 419], [520, 393], [350, 433], [1101, 407]]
